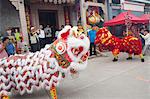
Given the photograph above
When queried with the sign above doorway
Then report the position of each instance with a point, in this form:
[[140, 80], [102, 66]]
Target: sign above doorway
[[54, 1]]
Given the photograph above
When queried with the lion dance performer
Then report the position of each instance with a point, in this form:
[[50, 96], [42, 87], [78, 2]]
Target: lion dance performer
[[45, 68], [129, 44]]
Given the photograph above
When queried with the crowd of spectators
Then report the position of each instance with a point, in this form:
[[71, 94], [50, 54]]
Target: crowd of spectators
[[12, 42]]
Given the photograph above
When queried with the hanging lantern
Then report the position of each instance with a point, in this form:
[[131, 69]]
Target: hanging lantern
[[64, 1], [45, 0], [94, 18], [59, 1], [55, 1], [50, 0], [68, 1], [72, 1]]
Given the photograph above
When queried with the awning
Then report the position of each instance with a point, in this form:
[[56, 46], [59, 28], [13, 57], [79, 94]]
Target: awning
[[60, 1], [146, 17], [121, 19]]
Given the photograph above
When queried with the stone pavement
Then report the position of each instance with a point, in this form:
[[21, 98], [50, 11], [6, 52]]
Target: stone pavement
[[104, 79]]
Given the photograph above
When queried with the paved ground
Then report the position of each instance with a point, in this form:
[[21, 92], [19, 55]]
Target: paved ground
[[104, 79]]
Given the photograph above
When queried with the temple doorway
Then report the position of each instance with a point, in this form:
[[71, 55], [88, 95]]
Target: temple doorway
[[48, 17]]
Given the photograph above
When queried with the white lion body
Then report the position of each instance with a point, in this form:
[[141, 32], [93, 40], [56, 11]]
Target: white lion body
[[24, 73]]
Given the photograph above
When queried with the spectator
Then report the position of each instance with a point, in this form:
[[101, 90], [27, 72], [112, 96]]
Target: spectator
[[48, 33], [25, 48], [17, 35], [34, 40], [10, 48], [124, 33], [58, 30], [62, 26], [19, 47], [80, 28], [10, 35], [22, 47], [146, 36], [8, 32], [41, 37], [3, 52], [89, 28], [53, 32], [92, 36], [142, 39], [56, 34]]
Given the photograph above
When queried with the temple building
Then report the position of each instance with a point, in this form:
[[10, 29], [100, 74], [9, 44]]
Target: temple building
[[137, 7], [23, 14]]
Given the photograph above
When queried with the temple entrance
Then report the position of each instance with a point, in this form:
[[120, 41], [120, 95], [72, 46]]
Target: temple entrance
[[48, 17]]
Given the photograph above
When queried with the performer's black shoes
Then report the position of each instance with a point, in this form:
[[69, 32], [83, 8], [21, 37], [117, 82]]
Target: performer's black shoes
[[129, 58], [142, 60], [114, 60]]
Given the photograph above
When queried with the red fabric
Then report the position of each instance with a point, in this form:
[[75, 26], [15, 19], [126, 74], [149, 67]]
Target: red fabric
[[129, 44], [145, 17], [65, 35], [120, 19]]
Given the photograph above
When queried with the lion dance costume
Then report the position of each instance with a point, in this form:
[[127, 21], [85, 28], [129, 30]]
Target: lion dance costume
[[129, 44], [45, 68]]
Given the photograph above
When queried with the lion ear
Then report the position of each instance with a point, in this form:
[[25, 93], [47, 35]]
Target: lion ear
[[65, 35]]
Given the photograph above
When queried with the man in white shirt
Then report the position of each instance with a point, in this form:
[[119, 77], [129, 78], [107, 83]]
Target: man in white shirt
[[48, 32], [146, 36], [41, 37]]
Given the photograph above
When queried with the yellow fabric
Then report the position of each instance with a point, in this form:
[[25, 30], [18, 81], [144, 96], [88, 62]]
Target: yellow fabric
[[53, 93], [141, 56], [5, 97], [17, 36], [129, 33], [115, 52]]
